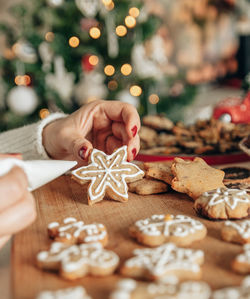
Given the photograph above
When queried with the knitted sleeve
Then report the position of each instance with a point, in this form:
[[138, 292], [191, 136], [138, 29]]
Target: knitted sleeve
[[28, 139]]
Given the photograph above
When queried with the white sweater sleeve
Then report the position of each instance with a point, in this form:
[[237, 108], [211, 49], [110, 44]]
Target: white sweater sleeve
[[28, 139]]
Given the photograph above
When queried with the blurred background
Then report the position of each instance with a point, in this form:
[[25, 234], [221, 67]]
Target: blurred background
[[174, 57]]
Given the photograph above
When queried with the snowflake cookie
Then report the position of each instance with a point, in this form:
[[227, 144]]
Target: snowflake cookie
[[69, 293], [158, 229], [72, 231], [241, 263], [131, 289], [223, 203], [75, 261], [241, 292], [163, 261], [108, 175], [236, 232]]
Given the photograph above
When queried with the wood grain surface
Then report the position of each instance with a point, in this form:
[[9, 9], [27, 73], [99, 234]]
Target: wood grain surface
[[64, 197]]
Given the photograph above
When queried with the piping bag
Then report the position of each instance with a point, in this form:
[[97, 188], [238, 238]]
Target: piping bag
[[39, 172]]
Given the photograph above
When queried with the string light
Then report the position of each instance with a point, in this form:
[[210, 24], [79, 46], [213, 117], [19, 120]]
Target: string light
[[134, 12], [110, 6], [135, 90], [74, 41], [43, 113], [130, 21], [93, 60], [112, 85], [109, 70], [121, 30], [49, 36], [153, 99], [95, 32], [126, 69]]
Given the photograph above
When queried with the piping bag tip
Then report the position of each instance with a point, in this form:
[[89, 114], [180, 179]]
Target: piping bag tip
[[39, 172]]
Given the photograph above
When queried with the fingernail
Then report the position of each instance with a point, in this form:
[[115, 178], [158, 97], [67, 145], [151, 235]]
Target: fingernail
[[134, 130], [134, 152], [82, 152]]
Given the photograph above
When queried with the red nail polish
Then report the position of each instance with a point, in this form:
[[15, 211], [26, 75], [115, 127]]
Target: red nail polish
[[82, 152], [134, 153], [134, 130]]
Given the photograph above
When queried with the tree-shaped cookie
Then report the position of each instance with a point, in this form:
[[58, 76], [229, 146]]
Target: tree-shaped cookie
[[75, 261], [108, 175], [162, 261], [158, 229], [71, 231]]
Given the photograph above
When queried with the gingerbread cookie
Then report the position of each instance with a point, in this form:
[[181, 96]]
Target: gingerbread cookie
[[158, 122], [241, 263], [160, 171], [132, 289], [241, 292], [239, 186], [108, 175], [75, 261], [72, 231], [147, 186], [236, 232], [223, 203], [163, 261], [237, 175], [158, 229], [69, 293], [195, 177]]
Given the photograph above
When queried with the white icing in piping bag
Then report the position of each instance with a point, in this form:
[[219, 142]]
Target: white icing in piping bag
[[39, 172]]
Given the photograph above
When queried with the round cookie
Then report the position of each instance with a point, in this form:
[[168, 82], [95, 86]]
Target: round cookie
[[236, 232], [158, 229], [223, 204]]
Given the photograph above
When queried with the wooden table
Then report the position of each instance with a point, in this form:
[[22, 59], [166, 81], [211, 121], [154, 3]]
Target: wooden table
[[64, 197]]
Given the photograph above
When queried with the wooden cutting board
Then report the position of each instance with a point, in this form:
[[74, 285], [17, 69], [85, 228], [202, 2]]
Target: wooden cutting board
[[64, 197]]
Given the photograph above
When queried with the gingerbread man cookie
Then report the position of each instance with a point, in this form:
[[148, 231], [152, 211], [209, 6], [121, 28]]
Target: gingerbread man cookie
[[75, 261], [158, 229], [241, 292], [132, 289], [108, 175], [163, 261], [69, 293], [195, 177], [236, 232], [72, 231], [223, 203], [241, 263]]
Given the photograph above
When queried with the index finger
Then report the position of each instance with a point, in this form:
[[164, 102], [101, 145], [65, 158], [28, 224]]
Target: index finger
[[123, 112]]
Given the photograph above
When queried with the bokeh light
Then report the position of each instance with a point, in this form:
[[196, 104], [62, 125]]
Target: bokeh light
[[126, 69], [43, 113], [74, 42], [135, 90], [134, 12], [49, 36], [130, 21], [112, 85], [109, 70], [153, 99], [121, 30], [93, 60], [95, 32]]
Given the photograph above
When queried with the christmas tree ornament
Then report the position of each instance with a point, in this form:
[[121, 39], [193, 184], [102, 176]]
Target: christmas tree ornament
[[88, 8], [126, 97], [55, 3], [25, 52], [22, 100], [86, 65], [46, 55], [61, 81], [91, 86]]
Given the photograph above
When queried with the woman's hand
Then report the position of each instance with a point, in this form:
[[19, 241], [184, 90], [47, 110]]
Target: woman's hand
[[17, 207], [105, 125]]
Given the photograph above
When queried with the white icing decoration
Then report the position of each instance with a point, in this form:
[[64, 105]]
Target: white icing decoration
[[179, 226], [230, 197], [245, 256], [102, 166], [164, 258], [243, 227], [93, 232], [53, 225], [69, 293]]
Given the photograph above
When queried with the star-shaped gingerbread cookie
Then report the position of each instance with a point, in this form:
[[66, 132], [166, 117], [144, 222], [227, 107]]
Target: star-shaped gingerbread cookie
[[108, 175], [195, 177]]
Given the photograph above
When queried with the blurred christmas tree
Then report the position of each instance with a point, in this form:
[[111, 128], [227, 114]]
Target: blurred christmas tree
[[65, 53]]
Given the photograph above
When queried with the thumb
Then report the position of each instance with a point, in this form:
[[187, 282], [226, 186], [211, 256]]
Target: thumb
[[81, 148]]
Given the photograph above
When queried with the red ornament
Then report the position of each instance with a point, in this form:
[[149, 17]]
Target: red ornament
[[86, 65]]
